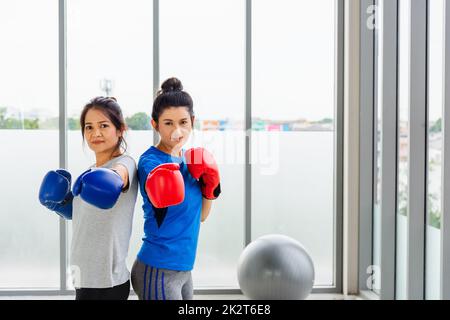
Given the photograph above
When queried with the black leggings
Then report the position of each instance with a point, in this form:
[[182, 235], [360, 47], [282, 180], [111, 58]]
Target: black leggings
[[120, 292]]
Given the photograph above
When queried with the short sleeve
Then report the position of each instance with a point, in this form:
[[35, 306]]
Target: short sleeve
[[129, 163], [145, 166]]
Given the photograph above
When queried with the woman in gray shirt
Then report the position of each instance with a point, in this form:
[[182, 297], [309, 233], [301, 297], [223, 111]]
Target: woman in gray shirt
[[100, 205]]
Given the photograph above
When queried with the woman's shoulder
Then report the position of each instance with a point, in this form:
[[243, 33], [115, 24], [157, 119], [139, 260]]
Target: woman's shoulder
[[125, 157], [150, 155], [125, 160], [149, 160]]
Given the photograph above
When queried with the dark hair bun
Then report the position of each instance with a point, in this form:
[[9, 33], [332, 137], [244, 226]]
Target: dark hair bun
[[171, 84], [103, 100]]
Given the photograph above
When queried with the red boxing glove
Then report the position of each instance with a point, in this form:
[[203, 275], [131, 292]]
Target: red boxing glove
[[202, 166], [165, 185]]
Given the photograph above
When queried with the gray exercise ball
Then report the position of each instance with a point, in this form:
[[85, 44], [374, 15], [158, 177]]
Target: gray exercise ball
[[275, 267]]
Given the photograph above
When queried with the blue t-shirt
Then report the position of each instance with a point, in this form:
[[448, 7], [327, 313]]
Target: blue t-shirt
[[171, 243]]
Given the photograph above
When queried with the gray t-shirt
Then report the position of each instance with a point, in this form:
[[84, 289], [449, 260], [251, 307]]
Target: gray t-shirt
[[100, 238]]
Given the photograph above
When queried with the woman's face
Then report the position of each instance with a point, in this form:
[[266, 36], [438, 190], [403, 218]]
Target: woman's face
[[99, 132], [174, 126]]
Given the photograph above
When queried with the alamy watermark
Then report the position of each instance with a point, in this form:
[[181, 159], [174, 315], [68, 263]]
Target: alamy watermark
[[373, 282], [228, 148], [372, 21]]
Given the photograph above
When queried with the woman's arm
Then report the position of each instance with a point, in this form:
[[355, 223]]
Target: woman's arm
[[123, 173], [206, 208]]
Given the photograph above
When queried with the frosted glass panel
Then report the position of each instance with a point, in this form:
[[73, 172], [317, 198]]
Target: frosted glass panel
[[29, 233], [109, 53], [111, 59], [293, 151], [403, 145], [203, 44], [435, 145], [378, 147]]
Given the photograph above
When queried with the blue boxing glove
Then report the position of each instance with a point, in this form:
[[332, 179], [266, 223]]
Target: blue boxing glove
[[100, 187], [55, 193]]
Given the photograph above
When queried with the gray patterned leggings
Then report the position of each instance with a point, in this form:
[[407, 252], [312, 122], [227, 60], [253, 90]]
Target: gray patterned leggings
[[150, 283]]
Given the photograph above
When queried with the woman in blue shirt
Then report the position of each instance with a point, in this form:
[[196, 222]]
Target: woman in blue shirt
[[177, 187]]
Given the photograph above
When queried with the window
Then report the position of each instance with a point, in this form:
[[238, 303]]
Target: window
[[109, 46], [403, 143], [29, 242], [111, 59], [294, 129], [434, 174], [376, 252], [203, 44]]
